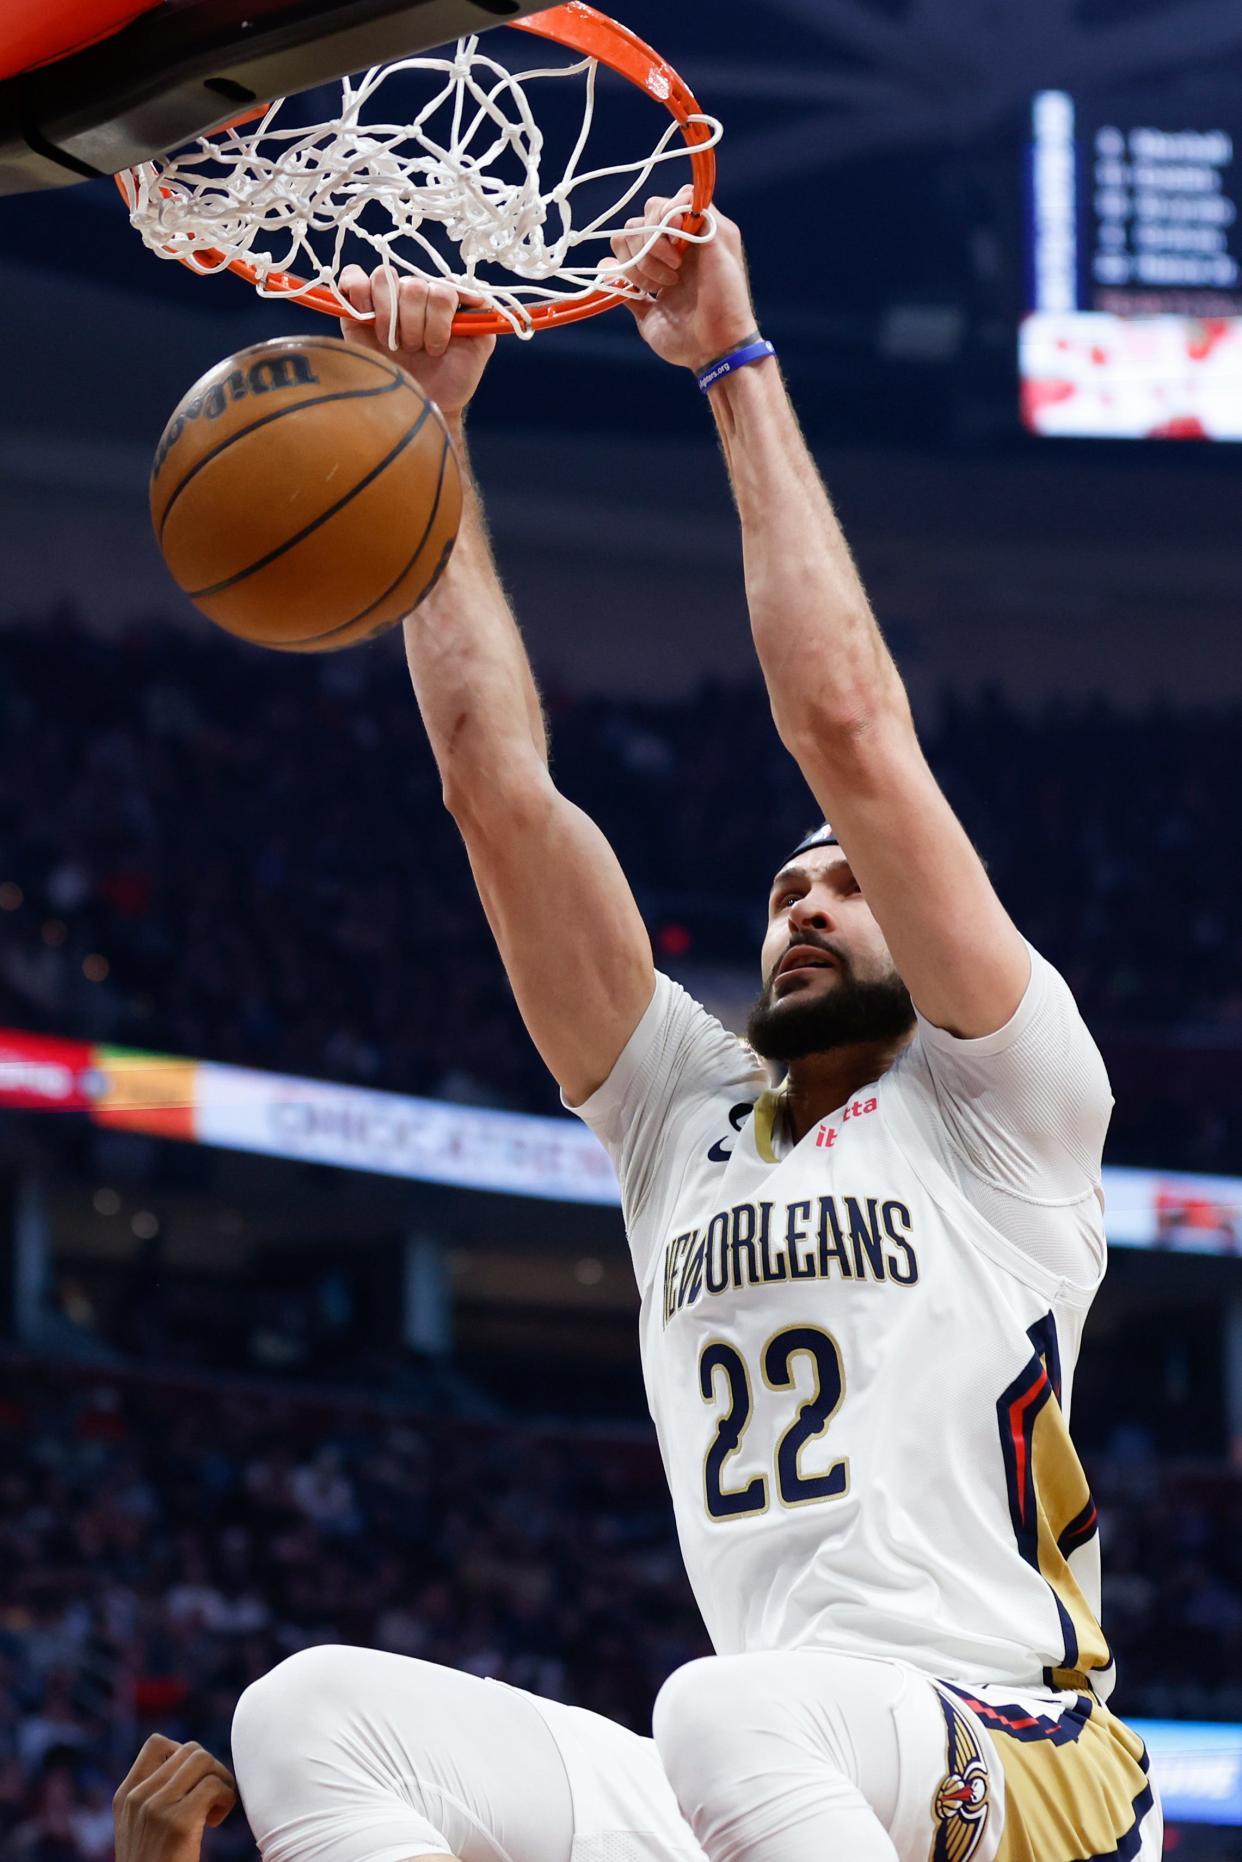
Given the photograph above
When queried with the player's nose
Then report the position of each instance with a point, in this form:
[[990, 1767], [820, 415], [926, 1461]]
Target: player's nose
[[811, 913]]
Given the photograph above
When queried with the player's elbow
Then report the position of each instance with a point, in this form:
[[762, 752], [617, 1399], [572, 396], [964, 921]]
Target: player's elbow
[[487, 764], [852, 727], [507, 794], [842, 697]]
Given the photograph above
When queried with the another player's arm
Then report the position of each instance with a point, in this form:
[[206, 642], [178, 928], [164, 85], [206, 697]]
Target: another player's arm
[[837, 697], [569, 932]]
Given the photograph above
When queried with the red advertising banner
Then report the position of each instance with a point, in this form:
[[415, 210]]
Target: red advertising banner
[[116, 1086], [47, 1074]]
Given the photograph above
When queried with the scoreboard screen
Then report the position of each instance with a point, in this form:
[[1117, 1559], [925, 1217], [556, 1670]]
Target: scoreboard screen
[[1133, 325]]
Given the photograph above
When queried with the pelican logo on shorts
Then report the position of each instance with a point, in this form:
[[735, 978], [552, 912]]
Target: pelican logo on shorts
[[961, 1807], [963, 1796]]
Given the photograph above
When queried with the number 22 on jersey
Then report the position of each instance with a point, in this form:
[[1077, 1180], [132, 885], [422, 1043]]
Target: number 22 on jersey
[[723, 1373]]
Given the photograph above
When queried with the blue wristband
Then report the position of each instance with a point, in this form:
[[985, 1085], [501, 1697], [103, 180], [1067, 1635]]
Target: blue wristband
[[740, 359]]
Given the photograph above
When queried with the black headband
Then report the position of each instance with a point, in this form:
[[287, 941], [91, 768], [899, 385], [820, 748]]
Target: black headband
[[819, 837]]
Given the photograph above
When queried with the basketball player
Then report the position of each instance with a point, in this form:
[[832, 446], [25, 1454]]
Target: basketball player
[[862, 1292]]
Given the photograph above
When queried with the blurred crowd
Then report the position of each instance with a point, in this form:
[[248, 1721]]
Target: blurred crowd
[[156, 1562], [215, 851], [163, 1545]]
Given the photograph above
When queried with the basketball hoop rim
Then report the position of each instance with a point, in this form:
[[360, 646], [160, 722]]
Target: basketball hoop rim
[[580, 28]]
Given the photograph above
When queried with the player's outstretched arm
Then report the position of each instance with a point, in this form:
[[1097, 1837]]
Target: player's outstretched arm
[[837, 696], [570, 934]]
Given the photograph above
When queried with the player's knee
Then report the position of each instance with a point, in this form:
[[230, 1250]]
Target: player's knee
[[701, 1713], [276, 1719], [316, 1780], [293, 1689]]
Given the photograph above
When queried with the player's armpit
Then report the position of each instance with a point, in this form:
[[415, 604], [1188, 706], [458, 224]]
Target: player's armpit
[[570, 934], [955, 946]]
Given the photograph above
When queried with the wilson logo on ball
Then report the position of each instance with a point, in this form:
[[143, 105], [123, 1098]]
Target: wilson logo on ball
[[269, 373]]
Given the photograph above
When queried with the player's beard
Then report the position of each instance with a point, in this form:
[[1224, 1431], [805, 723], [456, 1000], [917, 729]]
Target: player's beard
[[801, 1023]]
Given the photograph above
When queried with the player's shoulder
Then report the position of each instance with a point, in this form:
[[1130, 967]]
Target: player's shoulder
[[709, 1059], [680, 1086], [1045, 1020], [1040, 1068], [1024, 1110], [680, 1057]]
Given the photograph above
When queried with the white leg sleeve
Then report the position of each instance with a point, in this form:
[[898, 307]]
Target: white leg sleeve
[[352, 1755], [810, 1757]]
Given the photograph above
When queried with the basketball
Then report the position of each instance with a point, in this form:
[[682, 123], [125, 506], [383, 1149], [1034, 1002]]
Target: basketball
[[306, 494]]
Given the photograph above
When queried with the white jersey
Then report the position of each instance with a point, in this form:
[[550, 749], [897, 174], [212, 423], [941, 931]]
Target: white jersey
[[858, 1350]]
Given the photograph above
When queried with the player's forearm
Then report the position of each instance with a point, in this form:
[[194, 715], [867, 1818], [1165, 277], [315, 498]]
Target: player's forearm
[[470, 669], [828, 672]]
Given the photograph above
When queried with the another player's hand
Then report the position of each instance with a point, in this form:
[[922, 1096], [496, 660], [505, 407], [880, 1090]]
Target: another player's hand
[[447, 368], [169, 1795], [700, 307]]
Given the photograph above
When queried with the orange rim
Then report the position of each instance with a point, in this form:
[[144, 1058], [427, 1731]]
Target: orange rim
[[581, 28]]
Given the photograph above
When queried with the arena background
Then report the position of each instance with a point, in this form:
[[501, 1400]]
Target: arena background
[[268, 1387]]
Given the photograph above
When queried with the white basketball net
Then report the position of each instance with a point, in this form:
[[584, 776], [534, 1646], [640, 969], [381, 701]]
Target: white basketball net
[[468, 164]]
